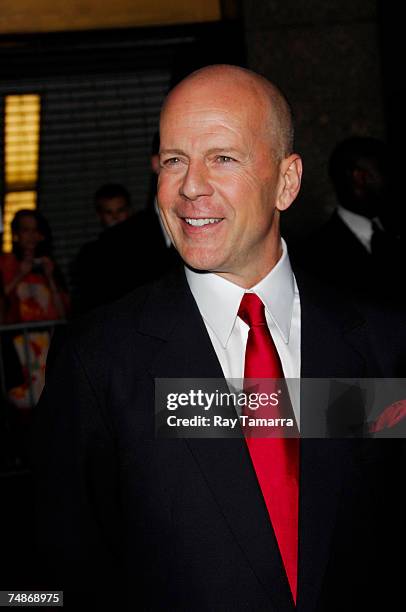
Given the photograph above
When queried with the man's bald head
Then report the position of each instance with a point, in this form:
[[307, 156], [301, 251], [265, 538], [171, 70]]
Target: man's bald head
[[267, 103]]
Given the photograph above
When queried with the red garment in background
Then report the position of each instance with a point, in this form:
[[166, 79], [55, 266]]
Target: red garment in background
[[31, 299]]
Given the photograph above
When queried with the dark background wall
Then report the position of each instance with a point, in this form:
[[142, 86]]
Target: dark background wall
[[326, 56]]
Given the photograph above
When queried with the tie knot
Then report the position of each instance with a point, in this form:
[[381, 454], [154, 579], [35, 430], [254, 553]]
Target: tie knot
[[252, 310]]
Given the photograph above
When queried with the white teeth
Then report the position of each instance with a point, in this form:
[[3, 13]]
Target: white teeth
[[201, 222]]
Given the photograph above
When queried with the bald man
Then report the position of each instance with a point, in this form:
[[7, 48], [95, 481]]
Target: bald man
[[130, 520]]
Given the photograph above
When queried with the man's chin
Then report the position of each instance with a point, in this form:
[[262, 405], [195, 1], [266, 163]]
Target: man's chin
[[200, 263]]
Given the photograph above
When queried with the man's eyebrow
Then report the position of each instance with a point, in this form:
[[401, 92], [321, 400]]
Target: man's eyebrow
[[171, 152], [214, 150], [221, 150]]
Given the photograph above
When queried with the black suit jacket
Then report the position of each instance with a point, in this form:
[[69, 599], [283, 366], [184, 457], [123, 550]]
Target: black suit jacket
[[181, 524]]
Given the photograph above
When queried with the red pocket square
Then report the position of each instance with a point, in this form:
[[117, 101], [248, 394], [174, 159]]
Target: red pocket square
[[391, 416]]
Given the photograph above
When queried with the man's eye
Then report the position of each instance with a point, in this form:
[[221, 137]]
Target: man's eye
[[172, 161], [224, 159]]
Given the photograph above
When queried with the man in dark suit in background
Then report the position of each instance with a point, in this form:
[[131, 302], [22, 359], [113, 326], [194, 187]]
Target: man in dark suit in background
[[95, 269], [186, 524], [360, 248], [132, 250]]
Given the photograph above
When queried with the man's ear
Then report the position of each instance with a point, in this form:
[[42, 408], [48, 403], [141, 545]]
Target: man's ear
[[155, 164], [291, 169]]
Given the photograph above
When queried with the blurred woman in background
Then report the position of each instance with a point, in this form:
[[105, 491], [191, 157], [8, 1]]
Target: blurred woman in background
[[34, 290], [33, 285]]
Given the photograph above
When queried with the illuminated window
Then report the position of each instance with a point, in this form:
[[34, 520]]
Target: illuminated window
[[21, 154]]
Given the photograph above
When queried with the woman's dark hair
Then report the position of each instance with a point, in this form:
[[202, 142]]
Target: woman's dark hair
[[44, 248]]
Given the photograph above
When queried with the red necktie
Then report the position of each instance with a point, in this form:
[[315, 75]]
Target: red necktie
[[275, 460]]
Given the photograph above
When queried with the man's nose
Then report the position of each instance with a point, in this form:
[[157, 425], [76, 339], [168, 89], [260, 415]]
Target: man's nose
[[196, 181]]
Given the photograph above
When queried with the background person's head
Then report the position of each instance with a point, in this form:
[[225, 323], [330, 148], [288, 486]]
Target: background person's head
[[155, 153], [358, 172], [31, 234], [227, 171], [154, 165], [113, 204]]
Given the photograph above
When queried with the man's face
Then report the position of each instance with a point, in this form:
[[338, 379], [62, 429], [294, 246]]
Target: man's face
[[112, 211], [218, 184], [369, 188]]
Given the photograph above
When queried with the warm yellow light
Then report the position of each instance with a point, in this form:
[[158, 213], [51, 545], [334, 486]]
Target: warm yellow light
[[21, 153], [13, 202], [48, 16], [21, 140]]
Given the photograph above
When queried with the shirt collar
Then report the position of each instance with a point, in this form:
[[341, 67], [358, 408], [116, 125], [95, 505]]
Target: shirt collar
[[219, 299], [359, 225]]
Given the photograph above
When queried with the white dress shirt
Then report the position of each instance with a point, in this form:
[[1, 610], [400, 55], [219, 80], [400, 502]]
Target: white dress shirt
[[218, 301], [359, 225]]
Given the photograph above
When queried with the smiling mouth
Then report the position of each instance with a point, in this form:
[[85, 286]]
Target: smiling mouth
[[202, 222]]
